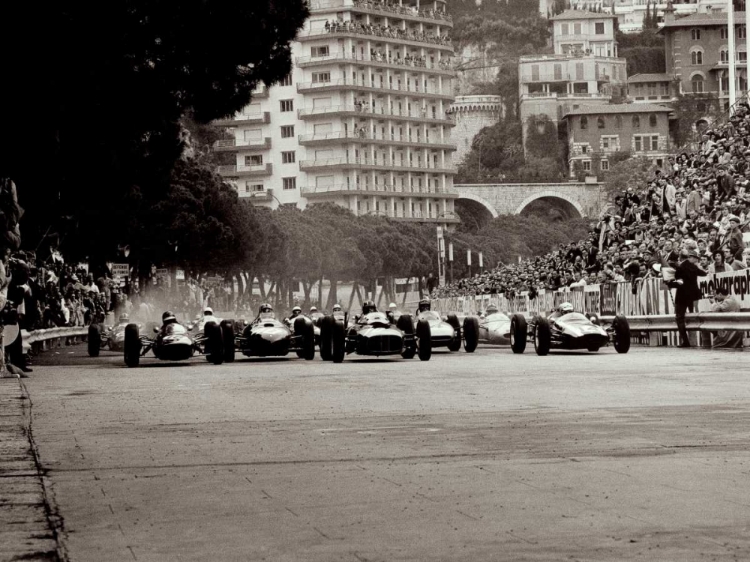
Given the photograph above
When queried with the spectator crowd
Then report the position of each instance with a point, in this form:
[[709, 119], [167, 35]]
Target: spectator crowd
[[697, 204]]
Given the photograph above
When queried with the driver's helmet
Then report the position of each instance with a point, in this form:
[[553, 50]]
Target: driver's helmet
[[313, 309], [266, 311], [168, 317], [369, 307], [296, 311], [491, 309], [392, 307], [208, 311], [337, 308], [424, 305], [124, 318], [565, 308]]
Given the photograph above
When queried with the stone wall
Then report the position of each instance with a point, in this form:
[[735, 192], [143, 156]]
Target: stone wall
[[472, 114]]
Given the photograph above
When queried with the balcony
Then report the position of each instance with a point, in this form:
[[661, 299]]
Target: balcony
[[243, 119], [245, 171], [260, 93], [377, 190], [340, 137], [234, 145], [391, 35], [564, 96], [443, 66], [563, 77], [380, 8], [379, 113], [333, 85], [381, 164]]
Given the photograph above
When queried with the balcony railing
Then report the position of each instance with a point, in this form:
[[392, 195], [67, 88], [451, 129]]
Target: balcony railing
[[236, 171], [385, 164], [383, 8], [383, 60], [230, 145], [563, 95], [377, 88], [244, 119], [377, 112], [379, 189], [387, 34], [366, 136]]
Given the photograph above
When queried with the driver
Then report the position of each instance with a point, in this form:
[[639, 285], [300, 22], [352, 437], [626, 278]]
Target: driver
[[562, 310], [168, 318], [313, 310], [368, 307], [266, 312], [424, 305], [392, 312], [124, 318], [208, 316], [491, 309], [296, 311]]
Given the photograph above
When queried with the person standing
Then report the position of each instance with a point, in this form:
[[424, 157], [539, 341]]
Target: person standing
[[686, 282]]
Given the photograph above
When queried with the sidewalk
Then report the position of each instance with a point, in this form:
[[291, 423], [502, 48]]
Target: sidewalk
[[25, 532]]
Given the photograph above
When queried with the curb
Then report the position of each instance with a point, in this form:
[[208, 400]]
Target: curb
[[26, 529]]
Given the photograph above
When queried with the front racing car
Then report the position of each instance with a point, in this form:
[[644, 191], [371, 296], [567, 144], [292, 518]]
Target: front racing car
[[444, 332], [269, 337], [570, 331]]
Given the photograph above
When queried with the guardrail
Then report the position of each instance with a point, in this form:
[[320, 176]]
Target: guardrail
[[40, 340], [702, 321]]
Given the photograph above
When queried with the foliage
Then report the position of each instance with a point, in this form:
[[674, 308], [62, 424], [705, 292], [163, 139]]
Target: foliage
[[625, 172], [101, 95], [688, 111], [644, 51]]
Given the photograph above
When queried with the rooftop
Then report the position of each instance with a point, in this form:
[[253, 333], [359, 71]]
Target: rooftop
[[581, 15], [618, 108], [637, 78], [704, 19]]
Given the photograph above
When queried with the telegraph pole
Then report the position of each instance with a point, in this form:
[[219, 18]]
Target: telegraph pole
[[732, 56]]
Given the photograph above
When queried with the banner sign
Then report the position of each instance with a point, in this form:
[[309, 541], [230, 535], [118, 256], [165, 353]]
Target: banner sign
[[736, 282], [120, 270]]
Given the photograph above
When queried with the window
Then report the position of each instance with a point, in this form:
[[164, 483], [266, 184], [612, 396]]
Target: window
[[576, 29], [697, 82], [254, 160], [287, 105], [586, 165], [558, 71], [563, 28], [288, 157], [584, 122], [609, 143], [618, 121], [741, 32], [286, 81], [652, 120], [319, 51], [254, 187], [695, 34], [535, 72], [599, 28], [741, 56], [287, 131], [600, 122], [696, 57], [321, 77], [636, 122], [289, 183], [604, 165], [638, 144], [724, 33], [654, 142], [579, 71]]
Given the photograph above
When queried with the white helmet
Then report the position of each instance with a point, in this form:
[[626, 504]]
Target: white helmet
[[566, 308], [392, 306], [208, 310], [337, 308]]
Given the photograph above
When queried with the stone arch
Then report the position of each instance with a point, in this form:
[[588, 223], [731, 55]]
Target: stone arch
[[552, 195], [482, 201]]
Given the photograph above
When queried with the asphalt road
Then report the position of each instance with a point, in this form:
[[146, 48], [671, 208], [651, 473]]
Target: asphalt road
[[488, 456]]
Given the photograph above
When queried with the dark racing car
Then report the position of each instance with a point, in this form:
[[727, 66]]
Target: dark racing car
[[566, 329], [268, 337], [374, 334]]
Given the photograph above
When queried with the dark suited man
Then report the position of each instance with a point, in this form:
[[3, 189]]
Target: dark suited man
[[686, 282]]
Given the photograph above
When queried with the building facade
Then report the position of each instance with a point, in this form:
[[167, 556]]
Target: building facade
[[472, 114], [362, 119], [631, 13], [596, 133], [650, 88], [697, 53], [584, 68]]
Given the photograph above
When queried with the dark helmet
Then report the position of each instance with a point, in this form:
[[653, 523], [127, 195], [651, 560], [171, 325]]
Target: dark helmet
[[296, 311], [265, 307], [368, 307], [168, 316], [424, 304]]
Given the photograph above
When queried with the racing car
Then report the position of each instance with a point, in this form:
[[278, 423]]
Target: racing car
[[111, 338], [268, 337], [568, 330], [374, 334], [493, 328], [172, 342]]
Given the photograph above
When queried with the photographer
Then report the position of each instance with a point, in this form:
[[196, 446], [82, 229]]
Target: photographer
[[722, 302]]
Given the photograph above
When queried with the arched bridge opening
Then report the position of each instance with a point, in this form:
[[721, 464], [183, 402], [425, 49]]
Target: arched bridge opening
[[475, 213], [551, 207]]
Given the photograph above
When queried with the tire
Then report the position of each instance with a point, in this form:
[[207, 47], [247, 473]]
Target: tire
[[304, 328], [227, 335], [593, 348], [471, 333], [94, 340], [214, 343], [621, 337], [326, 338], [132, 345], [424, 343], [406, 325], [455, 344], [338, 341], [542, 336], [519, 333]]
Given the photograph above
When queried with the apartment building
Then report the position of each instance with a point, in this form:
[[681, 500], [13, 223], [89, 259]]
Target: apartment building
[[631, 13], [362, 119]]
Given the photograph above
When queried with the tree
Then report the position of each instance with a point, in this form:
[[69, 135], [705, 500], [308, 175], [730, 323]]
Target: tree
[[101, 95]]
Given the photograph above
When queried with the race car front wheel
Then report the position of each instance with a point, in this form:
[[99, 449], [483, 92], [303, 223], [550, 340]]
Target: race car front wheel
[[227, 335], [471, 333], [94, 340], [455, 343], [424, 334], [338, 339], [132, 345], [518, 333], [621, 335], [326, 337], [214, 343], [542, 336]]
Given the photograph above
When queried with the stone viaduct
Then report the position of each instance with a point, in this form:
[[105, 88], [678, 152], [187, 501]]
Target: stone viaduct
[[582, 199]]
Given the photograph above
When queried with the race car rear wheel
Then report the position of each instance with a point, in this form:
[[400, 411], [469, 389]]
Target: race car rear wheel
[[338, 341], [214, 343], [406, 325], [94, 340], [471, 333], [518, 333], [326, 338], [424, 337], [227, 335], [542, 336], [132, 345], [455, 343], [621, 336], [304, 328]]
